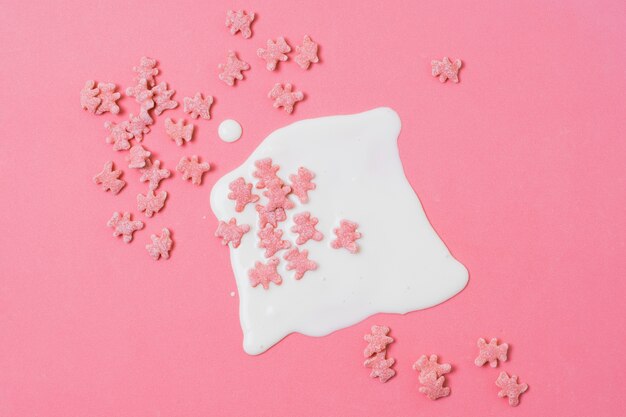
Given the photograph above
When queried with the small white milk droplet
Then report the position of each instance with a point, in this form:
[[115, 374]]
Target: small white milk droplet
[[229, 130]]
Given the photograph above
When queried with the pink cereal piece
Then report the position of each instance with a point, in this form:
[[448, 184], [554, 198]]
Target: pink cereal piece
[[138, 156], [278, 196], [301, 184], [118, 135], [231, 70], [305, 228], [140, 91], [239, 21], [123, 226], [151, 203], [510, 388], [429, 368], [146, 70], [137, 127], [190, 167], [154, 174], [161, 245], [198, 106], [377, 341], [299, 261], [265, 273], [274, 52], [108, 98], [306, 53], [433, 388], [241, 192], [381, 367], [266, 173], [179, 132], [491, 352], [445, 69], [284, 97], [272, 217], [109, 178], [163, 98], [270, 240], [89, 99], [346, 236], [231, 233]]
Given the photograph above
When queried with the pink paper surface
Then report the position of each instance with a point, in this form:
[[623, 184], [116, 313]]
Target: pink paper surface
[[520, 168]]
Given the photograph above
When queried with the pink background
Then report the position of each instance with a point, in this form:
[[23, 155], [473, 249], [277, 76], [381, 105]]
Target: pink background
[[520, 168]]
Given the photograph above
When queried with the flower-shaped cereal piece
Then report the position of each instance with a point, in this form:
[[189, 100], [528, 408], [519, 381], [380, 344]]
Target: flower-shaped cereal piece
[[491, 352], [305, 228], [118, 135], [179, 132], [445, 69], [141, 92], [381, 367], [89, 99], [299, 261], [198, 106], [265, 273], [430, 369], [109, 178], [278, 196], [108, 98], [138, 156], [307, 53], [137, 126], [301, 184], [270, 216], [270, 240], [284, 97], [346, 236], [433, 388], [123, 226], [154, 174], [239, 21], [161, 245], [162, 98], [266, 173], [274, 52], [231, 232], [146, 70], [510, 388], [377, 341], [231, 70], [190, 167], [241, 192], [151, 203]]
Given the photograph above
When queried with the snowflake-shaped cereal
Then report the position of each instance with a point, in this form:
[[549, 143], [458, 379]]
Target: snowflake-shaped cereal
[[118, 135], [154, 174], [272, 217], [231, 232], [377, 341], [179, 132], [241, 192], [510, 388], [445, 69], [275, 52], [270, 240], [433, 388], [108, 98], [266, 173], [301, 184], [239, 21], [231, 70], [89, 99], [151, 203], [190, 167], [346, 236], [306, 53], [161, 245], [299, 261], [198, 106], [278, 197], [123, 226], [146, 70], [429, 368], [162, 98], [284, 97], [305, 228], [109, 178], [138, 156], [141, 92], [381, 367], [137, 126], [265, 273], [491, 352]]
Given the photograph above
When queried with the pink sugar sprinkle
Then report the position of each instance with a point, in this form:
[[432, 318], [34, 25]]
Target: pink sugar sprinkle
[[301, 184], [241, 192], [377, 340], [510, 388], [108, 98], [123, 226], [118, 135], [266, 173], [284, 97], [161, 245], [306, 53], [429, 368], [231, 70], [140, 91], [274, 52], [445, 69], [278, 196], [108, 178], [138, 156], [151, 203], [163, 98], [381, 367], [272, 217], [198, 106], [265, 273], [270, 240], [137, 127], [299, 261], [305, 228], [231, 233], [146, 70], [346, 236], [433, 388], [154, 174], [89, 99], [178, 132], [239, 21], [190, 167], [491, 352]]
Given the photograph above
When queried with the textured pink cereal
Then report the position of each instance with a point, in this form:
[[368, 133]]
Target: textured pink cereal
[[138, 156], [284, 97], [151, 203], [190, 167], [346, 236], [140, 91], [381, 367], [89, 99], [305, 228], [198, 106], [429, 368], [307, 53], [137, 127], [163, 98], [146, 70], [239, 21], [118, 135], [231, 233], [153, 174], [231, 70], [301, 184], [123, 226], [272, 217], [274, 52], [491, 352], [179, 132], [433, 388], [270, 240], [109, 178], [445, 69], [241, 192], [266, 173], [299, 261], [510, 388], [278, 196], [377, 341], [161, 245], [108, 98], [265, 273]]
